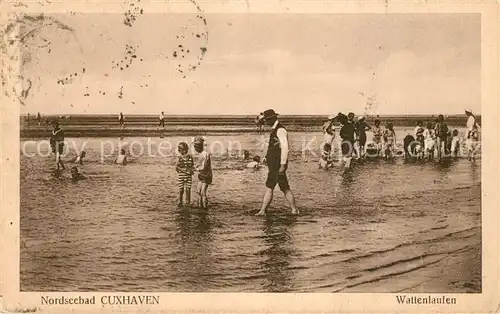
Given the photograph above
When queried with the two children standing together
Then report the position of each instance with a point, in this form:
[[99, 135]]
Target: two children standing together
[[186, 167]]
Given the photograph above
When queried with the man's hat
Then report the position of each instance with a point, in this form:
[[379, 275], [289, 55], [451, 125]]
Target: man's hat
[[269, 113], [468, 110], [198, 140], [332, 117]]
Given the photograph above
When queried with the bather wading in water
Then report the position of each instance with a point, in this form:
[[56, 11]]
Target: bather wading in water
[[347, 135], [57, 144], [277, 162]]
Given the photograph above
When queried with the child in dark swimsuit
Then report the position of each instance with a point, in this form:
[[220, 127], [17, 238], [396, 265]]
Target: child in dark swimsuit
[[246, 155], [441, 132], [362, 127], [347, 135], [455, 144], [351, 117], [57, 144]]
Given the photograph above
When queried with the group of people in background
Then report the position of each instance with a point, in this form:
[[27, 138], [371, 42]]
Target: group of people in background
[[121, 120], [353, 139], [426, 143], [161, 120], [435, 140], [38, 119]]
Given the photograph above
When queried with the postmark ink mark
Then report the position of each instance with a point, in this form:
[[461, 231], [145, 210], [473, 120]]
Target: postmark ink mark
[[23, 44], [87, 94], [192, 43], [120, 93], [132, 13], [128, 59]]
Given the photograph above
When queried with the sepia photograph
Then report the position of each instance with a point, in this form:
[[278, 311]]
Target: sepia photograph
[[211, 152], [347, 162]]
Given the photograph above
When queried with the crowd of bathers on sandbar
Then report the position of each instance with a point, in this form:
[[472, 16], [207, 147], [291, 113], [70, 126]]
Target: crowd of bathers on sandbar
[[434, 140]]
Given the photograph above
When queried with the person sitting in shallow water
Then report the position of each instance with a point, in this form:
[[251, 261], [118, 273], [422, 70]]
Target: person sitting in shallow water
[[76, 175], [122, 158], [326, 160], [408, 142], [255, 163]]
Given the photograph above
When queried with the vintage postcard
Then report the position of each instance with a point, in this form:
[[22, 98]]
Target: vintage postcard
[[250, 156]]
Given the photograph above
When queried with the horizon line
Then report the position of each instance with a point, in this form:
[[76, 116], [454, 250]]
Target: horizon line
[[240, 115]]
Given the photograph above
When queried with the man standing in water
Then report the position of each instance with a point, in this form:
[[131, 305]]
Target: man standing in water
[[277, 162]]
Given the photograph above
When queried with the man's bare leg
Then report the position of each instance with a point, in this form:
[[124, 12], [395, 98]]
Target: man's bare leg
[[199, 203], [268, 197], [203, 196], [59, 162], [291, 200]]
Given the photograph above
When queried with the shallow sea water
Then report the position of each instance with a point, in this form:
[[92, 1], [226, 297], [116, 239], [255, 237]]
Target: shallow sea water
[[120, 230]]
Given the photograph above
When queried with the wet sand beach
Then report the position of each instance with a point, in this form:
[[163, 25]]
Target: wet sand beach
[[385, 227]]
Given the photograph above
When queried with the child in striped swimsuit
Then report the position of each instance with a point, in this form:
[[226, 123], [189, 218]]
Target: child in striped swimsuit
[[184, 168]]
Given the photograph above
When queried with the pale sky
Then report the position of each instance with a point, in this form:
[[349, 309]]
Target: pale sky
[[296, 64]]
